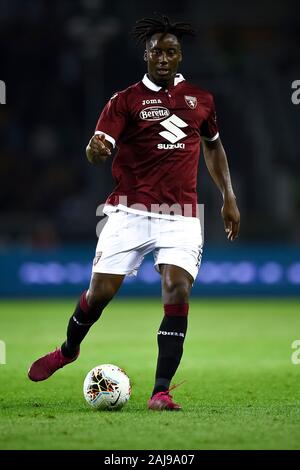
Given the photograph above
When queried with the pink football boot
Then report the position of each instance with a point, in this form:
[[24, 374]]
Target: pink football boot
[[163, 401], [46, 365]]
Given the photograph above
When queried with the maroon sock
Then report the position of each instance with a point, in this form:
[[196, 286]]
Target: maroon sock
[[170, 339], [79, 324]]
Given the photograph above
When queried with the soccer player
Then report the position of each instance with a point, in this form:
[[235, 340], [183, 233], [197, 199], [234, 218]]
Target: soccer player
[[157, 125]]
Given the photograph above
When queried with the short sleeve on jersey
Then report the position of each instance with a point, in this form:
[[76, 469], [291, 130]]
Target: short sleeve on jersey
[[209, 128], [112, 120]]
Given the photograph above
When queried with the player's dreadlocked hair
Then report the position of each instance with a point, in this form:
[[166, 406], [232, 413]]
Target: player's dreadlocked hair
[[146, 27]]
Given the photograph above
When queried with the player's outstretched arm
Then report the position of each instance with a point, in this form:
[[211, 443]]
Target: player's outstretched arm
[[216, 162], [98, 149]]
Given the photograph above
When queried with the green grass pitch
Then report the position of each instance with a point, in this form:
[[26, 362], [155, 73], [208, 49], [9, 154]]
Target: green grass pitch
[[241, 389]]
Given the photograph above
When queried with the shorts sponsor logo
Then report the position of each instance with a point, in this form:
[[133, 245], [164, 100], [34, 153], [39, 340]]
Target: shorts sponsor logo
[[154, 113], [97, 257], [199, 257]]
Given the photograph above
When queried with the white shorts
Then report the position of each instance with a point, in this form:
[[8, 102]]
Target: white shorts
[[126, 238]]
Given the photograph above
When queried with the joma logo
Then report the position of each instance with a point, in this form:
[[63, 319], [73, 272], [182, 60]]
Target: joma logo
[[154, 113], [154, 101]]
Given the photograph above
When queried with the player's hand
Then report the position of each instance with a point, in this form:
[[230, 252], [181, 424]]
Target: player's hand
[[231, 217], [97, 149]]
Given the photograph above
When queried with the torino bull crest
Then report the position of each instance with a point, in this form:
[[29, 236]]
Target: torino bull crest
[[191, 101]]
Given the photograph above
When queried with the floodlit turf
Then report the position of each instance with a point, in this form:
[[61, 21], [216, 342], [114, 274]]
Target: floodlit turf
[[241, 391]]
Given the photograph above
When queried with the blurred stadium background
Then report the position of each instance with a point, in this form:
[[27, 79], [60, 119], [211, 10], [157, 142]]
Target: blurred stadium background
[[62, 60]]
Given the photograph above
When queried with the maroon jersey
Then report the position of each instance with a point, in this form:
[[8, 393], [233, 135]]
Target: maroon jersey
[[158, 134]]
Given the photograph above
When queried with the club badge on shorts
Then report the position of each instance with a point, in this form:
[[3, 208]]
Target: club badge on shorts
[[191, 101], [97, 257]]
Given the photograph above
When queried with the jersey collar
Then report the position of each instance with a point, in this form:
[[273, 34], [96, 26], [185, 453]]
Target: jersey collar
[[152, 86]]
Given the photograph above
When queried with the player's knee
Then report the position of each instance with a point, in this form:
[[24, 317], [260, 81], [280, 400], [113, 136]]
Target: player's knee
[[176, 291]]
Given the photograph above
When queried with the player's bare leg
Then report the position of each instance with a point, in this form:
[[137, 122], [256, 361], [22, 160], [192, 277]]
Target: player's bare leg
[[102, 289], [176, 287]]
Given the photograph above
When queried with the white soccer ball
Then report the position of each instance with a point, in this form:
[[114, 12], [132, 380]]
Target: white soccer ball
[[106, 387]]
